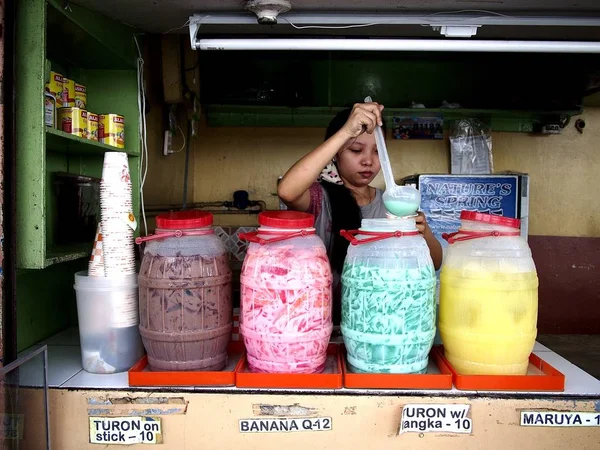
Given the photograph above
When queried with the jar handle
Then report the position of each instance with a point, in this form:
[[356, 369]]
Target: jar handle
[[349, 235], [174, 233], [153, 237], [252, 236], [468, 235], [377, 235], [277, 236]]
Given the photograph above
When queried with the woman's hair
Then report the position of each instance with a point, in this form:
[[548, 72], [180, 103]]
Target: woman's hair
[[345, 212]]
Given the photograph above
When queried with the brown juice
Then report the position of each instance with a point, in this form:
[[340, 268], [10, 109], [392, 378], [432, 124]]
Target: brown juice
[[185, 311]]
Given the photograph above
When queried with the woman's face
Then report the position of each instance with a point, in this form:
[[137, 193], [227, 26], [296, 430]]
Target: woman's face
[[358, 163]]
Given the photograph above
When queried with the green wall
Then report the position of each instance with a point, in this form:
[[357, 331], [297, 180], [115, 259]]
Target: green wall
[[45, 302]]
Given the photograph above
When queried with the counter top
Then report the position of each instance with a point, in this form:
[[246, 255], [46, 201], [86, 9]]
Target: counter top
[[65, 372]]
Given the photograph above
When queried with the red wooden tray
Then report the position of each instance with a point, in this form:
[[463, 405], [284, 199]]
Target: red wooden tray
[[330, 378], [140, 375], [440, 381], [541, 376]]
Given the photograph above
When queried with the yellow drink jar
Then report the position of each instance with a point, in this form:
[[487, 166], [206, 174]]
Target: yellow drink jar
[[488, 297]]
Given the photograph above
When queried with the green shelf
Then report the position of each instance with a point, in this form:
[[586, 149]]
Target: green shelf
[[59, 254], [280, 116], [59, 141], [78, 37], [97, 52]]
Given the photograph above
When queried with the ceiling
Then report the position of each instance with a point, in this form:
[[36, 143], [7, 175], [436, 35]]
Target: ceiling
[[159, 16]]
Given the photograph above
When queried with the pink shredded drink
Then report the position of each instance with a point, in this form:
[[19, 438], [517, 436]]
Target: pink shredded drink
[[285, 311]]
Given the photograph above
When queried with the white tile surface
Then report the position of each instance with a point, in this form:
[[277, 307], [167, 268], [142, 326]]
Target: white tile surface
[[63, 363], [86, 380], [69, 337], [93, 380], [577, 382], [65, 371], [540, 348]]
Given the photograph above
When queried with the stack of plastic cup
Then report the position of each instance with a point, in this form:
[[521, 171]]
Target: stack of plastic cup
[[96, 264], [118, 221], [107, 296]]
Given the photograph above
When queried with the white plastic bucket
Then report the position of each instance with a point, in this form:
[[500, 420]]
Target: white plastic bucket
[[107, 309]]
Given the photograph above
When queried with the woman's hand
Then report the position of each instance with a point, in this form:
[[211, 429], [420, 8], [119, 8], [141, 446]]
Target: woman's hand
[[364, 117], [435, 248], [421, 223]]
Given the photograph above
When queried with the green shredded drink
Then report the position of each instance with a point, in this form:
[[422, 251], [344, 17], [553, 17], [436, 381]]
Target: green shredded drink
[[388, 300]]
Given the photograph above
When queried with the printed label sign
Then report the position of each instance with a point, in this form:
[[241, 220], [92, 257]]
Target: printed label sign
[[125, 430], [431, 418], [559, 419], [285, 425]]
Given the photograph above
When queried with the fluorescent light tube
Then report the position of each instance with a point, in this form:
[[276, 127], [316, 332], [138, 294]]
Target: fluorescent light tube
[[406, 45]]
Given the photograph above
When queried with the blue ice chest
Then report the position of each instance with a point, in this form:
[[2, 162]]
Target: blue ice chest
[[443, 197]]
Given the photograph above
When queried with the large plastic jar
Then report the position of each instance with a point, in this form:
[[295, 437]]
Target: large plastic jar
[[285, 308], [388, 298], [488, 297], [185, 294]]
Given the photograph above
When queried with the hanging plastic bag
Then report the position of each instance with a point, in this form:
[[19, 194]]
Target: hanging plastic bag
[[471, 148]]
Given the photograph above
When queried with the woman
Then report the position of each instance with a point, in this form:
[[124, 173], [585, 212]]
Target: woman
[[343, 196]]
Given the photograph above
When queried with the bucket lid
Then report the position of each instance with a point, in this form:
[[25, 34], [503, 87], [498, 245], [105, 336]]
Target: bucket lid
[[286, 219], [181, 220], [490, 218]]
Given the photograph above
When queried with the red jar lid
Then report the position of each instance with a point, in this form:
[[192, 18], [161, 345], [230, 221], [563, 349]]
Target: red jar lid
[[490, 218], [286, 219], [181, 220]]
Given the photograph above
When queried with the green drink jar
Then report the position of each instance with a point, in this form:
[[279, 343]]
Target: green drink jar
[[388, 297]]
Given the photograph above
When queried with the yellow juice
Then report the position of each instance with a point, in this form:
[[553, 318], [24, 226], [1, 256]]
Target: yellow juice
[[488, 320]]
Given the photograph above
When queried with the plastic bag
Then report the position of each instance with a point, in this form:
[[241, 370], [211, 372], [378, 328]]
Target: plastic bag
[[471, 148]]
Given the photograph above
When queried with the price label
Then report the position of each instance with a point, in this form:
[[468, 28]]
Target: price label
[[285, 425], [431, 418], [125, 430], [559, 419]]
